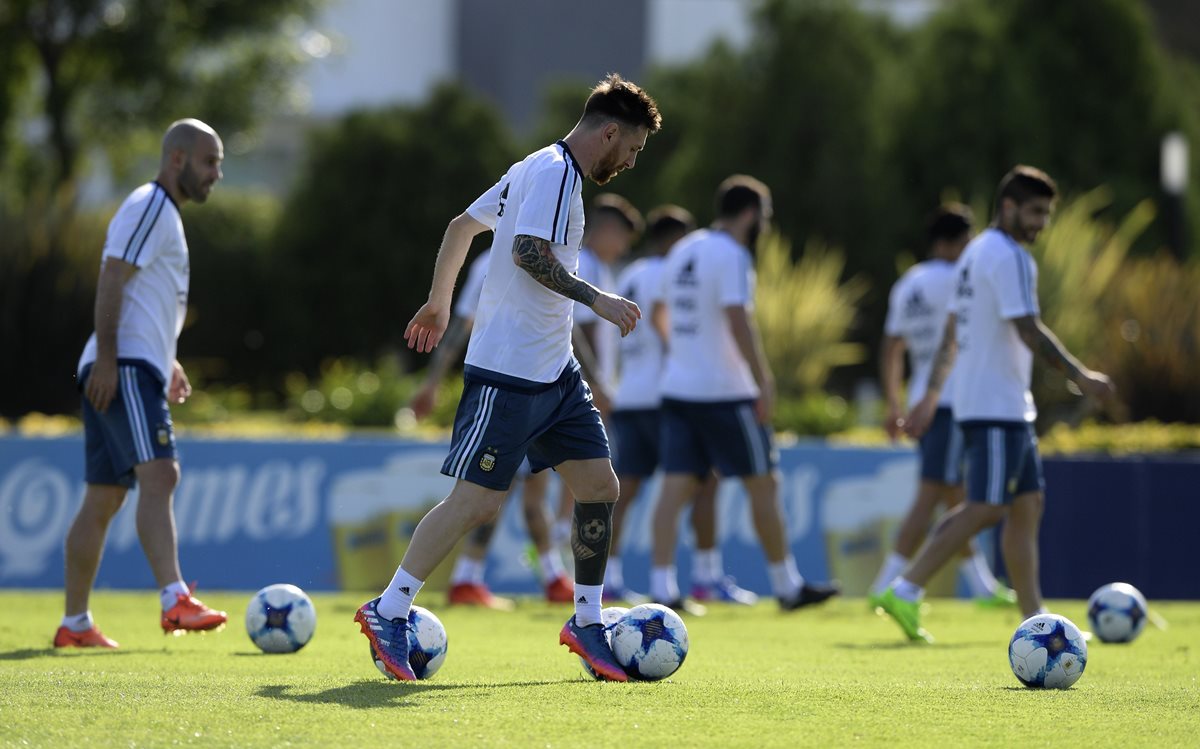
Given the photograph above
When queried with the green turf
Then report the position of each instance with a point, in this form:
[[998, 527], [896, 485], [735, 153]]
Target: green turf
[[831, 677]]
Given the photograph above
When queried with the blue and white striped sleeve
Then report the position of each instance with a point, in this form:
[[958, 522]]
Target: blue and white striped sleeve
[[1014, 279], [545, 208], [133, 233]]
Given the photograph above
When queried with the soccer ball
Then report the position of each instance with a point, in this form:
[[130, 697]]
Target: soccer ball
[[280, 619], [1047, 651], [426, 644], [609, 618], [650, 642], [1117, 612]]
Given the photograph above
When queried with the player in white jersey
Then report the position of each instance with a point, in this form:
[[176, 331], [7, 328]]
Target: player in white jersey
[[636, 430], [718, 391], [128, 372], [523, 395], [994, 329], [467, 586], [916, 312]]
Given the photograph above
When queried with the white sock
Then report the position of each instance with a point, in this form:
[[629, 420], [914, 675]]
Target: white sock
[[467, 570], [560, 532], [892, 567], [587, 604], [706, 566], [664, 585], [396, 601], [552, 567], [785, 578], [980, 580], [79, 622], [614, 577], [907, 590], [170, 594]]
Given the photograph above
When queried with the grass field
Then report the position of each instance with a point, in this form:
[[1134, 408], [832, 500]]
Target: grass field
[[754, 677]]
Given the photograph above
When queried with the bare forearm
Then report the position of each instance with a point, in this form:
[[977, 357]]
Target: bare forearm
[[110, 292], [943, 360], [1046, 346], [451, 255], [534, 256], [749, 343], [585, 352], [891, 369]]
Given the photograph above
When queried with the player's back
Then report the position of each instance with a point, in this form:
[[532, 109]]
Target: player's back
[[995, 282], [704, 274], [917, 309], [523, 329], [641, 352]]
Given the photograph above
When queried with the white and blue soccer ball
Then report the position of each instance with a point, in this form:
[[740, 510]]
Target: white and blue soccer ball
[[427, 644], [1117, 612], [609, 618], [1047, 651], [280, 619], [650, 642]]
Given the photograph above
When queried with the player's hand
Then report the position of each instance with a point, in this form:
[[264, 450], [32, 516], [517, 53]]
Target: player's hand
[[181, 387], [1096, 385], [101, 384], [893, 423], [424, 401], [618, 311], [764, 407], [427, 327], [921, 416]]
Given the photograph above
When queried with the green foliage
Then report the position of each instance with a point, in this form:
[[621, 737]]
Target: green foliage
[[348, 393], [805, 312], [1141, 438], [360, 232], [813, 415]]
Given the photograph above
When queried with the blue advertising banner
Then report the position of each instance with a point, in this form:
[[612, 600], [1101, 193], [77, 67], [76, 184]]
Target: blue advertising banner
[[329, 515]]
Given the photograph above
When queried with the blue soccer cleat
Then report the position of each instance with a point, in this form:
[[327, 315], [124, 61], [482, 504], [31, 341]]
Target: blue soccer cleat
[[725, 590], [590, 644], [388, 638]]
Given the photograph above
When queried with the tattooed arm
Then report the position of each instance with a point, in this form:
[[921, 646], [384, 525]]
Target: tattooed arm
[[534, 256], [1046, 346], [921, 416]]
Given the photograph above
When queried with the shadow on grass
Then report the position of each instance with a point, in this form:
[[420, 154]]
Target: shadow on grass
[[374, 693], [31, 653], [915, 646]]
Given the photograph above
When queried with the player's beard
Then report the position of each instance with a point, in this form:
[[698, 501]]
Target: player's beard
[[190, 184], [607, 168]]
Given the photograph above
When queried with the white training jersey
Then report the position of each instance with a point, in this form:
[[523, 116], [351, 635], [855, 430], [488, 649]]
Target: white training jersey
[[147, 232], [995, 282], [704, 273], [608, 336], [467, 302], [640, 359], [917, 313], [522, 329]]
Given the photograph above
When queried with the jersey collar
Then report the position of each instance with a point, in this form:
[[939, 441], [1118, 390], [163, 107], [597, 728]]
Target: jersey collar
[[167, 193], [567, 150]]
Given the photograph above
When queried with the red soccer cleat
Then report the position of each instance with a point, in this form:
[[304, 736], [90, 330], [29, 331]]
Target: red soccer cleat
[[560, 590], [190, 615], [477, 594], [88, 638]]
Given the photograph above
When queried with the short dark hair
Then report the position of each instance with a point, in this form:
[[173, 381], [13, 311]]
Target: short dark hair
[[1024, 182], [614, 206], [948, 222], [615, 98], [739, 192], [668, 221]]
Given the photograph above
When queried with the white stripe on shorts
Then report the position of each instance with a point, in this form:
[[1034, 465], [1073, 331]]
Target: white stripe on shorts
[[753, 435], [136, 415], [996, 465], [951, 471], [456, 450], [475, 436]]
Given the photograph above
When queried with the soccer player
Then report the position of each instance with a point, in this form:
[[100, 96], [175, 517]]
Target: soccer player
[[916, 308], [467, 586], [718, 392], [994, 329], [129, 373], [523, 394], [635, 421]]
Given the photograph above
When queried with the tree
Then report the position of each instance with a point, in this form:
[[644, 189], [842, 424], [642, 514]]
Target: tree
[[111, 69]]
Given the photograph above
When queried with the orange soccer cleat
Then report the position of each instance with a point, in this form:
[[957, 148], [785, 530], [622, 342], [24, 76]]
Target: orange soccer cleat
[[560, 590], [88, 638], [190, 615], [477, 594]]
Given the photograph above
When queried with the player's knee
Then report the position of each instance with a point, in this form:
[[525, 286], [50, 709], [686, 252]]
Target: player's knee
[[158, 478]]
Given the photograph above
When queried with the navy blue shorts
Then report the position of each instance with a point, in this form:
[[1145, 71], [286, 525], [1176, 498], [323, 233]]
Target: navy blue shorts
[[942, 450], [635, 442], [1002, 460], [697, 437], [135, 429], [498, 424]]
